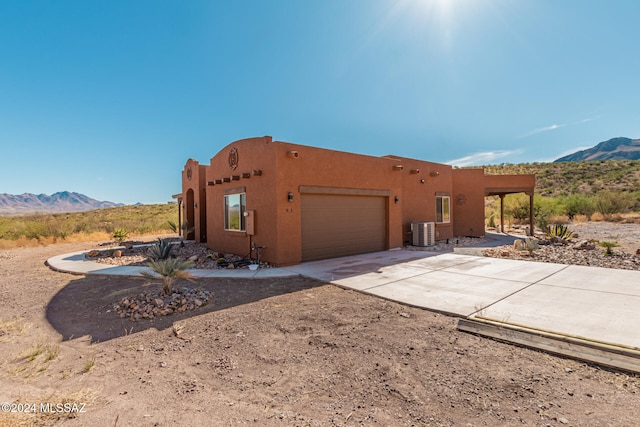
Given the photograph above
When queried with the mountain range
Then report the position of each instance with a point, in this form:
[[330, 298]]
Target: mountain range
[[613, 149], [63, 201]]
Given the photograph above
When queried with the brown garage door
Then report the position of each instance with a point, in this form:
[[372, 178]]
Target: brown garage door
[[340, 225]]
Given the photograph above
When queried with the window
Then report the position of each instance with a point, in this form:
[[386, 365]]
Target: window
[[234, 207], [443, 214]]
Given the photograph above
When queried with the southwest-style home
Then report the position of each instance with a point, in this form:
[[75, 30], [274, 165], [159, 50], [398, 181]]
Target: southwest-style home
[[298, 203]]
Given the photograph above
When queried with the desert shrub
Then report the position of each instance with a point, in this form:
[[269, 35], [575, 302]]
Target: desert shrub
[[608, 202], [517, 207], [578, 204]]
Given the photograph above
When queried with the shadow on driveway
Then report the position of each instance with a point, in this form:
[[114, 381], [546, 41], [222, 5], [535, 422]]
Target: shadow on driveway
[[84, 307]]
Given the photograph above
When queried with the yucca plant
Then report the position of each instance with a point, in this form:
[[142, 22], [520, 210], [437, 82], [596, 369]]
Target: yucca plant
[[161, 249], [120, 234], [172, 226], [608, 246], [170, 270]]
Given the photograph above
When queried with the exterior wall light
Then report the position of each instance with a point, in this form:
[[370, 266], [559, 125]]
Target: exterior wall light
[[290, 196], [195, 206], [396, 200], [293, 154], [414, 171]]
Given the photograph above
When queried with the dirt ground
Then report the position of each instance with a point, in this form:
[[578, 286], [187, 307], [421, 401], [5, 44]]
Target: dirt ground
[[279, 352]]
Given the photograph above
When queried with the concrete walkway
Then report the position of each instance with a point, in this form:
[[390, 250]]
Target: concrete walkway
[[77, 263], [591, 306]]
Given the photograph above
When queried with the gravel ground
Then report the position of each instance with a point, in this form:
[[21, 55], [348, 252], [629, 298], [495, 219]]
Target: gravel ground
[[574, 253]]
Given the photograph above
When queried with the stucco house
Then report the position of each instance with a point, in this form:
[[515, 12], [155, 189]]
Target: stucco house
[[299, 203]]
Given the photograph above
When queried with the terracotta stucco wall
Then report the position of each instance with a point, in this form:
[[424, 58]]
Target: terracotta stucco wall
[[421, 182], [299, 168], [510, 183], [193, 197], [468, 200], [251, 155]]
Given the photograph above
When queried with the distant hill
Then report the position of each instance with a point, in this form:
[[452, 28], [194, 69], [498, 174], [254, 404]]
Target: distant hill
[[561, 179], [613, 149], [63, 201]]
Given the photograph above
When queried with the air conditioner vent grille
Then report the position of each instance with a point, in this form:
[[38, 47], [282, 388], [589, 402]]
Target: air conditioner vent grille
[[424, 233]]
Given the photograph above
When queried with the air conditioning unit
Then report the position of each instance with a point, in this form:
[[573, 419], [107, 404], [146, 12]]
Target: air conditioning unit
[[424, 233]]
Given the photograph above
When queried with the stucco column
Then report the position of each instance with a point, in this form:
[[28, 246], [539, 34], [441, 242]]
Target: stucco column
[[179, 217], [531, 214], [502, 213]]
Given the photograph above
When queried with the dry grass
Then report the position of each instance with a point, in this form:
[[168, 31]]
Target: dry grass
[[72, 405], [97, 236], [36, 360], [13, 326], [89, 365]]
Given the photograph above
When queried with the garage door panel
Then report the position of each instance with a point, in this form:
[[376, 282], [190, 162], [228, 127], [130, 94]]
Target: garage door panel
[[339, 225]]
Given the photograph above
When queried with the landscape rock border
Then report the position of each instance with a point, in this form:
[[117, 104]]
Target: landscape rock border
[[148, 305]]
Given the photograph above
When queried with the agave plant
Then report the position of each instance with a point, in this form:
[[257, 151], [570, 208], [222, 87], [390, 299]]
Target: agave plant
[[170, 270], [161, 249], [531, 245], [560, 231]]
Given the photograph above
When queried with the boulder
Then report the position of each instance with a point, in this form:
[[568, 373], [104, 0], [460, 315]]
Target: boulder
[[585, 245]]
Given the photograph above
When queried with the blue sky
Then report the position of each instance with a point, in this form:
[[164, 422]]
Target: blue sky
[[110, 98]]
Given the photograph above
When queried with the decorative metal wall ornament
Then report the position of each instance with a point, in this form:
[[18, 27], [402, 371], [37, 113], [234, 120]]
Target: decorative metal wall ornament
[[461, 199], [233, 158], [189, 173]]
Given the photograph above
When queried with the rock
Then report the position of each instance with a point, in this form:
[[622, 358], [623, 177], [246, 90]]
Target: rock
[[584, 245], [563, 420], [117, 254], [518, 245], [93, 253], [231, 266], [198, 302], [193, 258]]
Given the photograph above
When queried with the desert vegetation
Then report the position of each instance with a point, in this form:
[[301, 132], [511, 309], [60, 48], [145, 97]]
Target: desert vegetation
[[583, 191], [100, 224]]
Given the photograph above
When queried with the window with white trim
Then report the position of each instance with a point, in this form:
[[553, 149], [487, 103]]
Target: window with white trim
[[443, 212], [234, 207]]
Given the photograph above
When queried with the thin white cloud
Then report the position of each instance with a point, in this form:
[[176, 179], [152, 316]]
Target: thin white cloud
[[554, 127], [483, 158]]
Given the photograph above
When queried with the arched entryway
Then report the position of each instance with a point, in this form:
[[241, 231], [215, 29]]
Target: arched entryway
[[189, 232]]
